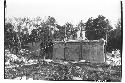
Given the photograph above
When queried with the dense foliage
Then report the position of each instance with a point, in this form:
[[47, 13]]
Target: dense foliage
[[97, 28], [115, 38]]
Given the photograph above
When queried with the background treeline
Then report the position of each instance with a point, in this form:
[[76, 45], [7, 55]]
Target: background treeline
[[18, 32]]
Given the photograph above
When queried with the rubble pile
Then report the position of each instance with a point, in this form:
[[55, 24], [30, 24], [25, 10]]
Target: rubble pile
[[114, 58]]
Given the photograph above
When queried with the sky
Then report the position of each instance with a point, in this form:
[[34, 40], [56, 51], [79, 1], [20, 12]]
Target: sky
[[63, 11]]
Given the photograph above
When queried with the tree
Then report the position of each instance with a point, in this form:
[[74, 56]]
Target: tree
[[115, 38], [9, 35], [34, 36], [70, 31], [118, 25], [45, 35], [10, 38], [25, 36], [59, 34], [97, 28]]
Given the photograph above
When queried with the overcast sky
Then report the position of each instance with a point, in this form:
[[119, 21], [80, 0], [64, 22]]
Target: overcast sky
[[65, 10]]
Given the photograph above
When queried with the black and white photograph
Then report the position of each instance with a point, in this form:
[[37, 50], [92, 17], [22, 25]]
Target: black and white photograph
[[63, 40]]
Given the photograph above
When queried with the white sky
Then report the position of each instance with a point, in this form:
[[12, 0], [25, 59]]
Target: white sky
[[65, 10]]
